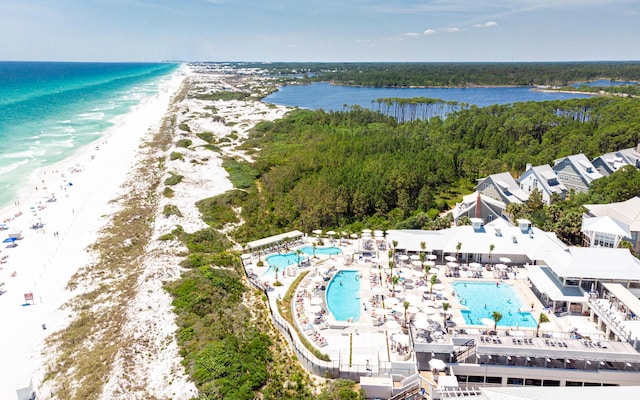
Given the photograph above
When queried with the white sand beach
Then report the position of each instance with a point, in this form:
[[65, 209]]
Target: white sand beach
[[72, 200]]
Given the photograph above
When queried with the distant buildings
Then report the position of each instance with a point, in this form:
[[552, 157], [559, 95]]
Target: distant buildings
[[544, 179], [502, 187], [576, 172]]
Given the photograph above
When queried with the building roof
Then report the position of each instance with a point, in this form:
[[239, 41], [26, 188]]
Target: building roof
[[605, 224], [599, 263], [613, 161], [547, 179], [632, 155], [559, 393], [625, 296], [582, 166], [508, 187], [627, 212], [256, 244], [469, 202], [544, 280]]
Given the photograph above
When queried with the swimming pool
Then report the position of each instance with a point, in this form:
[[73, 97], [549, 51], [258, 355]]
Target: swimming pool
[[483, 298], [327, 251], [281, 261], [343, 295]]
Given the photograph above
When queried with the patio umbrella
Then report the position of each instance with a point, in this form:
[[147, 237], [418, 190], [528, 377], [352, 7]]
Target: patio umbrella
[[403, 257], [475, 265], [9, 240], [316, 301], [430, 263], [487, 321], [416, 263], [331, 233], [414, 257], [366, 231], [450, 258], [505, 260], [501, 266], [353, 236], [438, 287], [392, 325], [413, 310], [379, 290], [390, 302], [452, 264], [381, 312], [412, 299], [422, 324], [378, 234], [401, 338], [317, 231], [432, 257], [438, 364], [315, 309]]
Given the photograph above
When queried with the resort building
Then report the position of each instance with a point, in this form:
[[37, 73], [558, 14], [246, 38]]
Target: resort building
[[576, 172], [502, 187], [544, 179], [478, 205], [609, 163], [604, 232], [626, 214]]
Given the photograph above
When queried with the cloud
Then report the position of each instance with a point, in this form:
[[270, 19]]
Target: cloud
[[489, 24], [451, 30], [411, 34], [429, 32]]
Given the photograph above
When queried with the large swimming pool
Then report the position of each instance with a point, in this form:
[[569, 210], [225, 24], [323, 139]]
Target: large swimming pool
[[483, 298], [343, 295], [327, 251], [281, 261]]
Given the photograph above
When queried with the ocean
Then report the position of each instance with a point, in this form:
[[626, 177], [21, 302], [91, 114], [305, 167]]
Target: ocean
[[49, 110]]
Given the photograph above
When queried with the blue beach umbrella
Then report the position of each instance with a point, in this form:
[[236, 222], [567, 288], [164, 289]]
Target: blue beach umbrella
[[9, 240]]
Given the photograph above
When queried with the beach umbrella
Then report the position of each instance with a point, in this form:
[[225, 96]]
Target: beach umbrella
[[392, 325], [403, 257], [430, 263], [452, 264], [401, 338], [412, 299], [9, 240], [316, 301], [316, 231], [331, 233], [366, 231], [432, 257], [415, 257], [315, 309], [366, 235], [487, 321], [438, 364], [505, 260], [438, 287], [381, 311], [353, 236], [416, 263], [413, 310], [378, 234], [422, 323], [379, 290], [450, 258], [475, 265]]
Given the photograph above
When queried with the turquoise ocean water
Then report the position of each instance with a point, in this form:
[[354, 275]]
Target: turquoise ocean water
[[49, 110]]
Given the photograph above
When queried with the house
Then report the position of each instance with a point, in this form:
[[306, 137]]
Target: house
[[502, 187], [543, 178], [576, 172], [625, 212], [604, 231], [478, 205]]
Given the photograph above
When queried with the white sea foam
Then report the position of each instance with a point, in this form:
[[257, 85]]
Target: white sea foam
[[91, 116], [11, 167], [19, 154]]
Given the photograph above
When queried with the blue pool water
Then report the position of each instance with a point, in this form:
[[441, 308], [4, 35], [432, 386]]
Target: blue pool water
[[343, 295], [483, 298], [327, 251], [281, 261]]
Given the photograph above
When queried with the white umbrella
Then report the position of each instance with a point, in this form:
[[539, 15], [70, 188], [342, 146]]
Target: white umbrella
[[375, 260], [317, 231], [392, 325], [501, 266], [378, 231], [450, 258], [432, 257], [422, 324], [403, 257], [315, 309], [412, 299], [430, 263], [366, 235], [366, 231], [414, 257], [379, 290], [323, 270], [452, 264], [438, 287], [505, 260], [318, 279], [413, 310], [438, 364], [416, 263], [475, 265], [381, 312], [316, 301], [331, 233], [353, 236], [378, 234], [487, 321], [399, 308], [429, 303], [401, 338]]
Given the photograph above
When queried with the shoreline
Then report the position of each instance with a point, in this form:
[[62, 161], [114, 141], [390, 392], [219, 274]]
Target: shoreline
[[83, 187]]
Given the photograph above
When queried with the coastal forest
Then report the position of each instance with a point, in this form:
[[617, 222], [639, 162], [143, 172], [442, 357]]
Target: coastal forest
[[361, 168]]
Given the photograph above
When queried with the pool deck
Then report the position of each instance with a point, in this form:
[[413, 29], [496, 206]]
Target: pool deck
[[373, 345]]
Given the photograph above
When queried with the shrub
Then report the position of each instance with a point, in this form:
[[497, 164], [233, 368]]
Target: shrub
[[176, 156], [184, 143]]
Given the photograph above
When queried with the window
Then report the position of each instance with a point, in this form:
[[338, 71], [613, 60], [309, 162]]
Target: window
[[494, 379], [515, 381], [533, 382], [573, 383], [548, 382], [592, 384], [475, 379]]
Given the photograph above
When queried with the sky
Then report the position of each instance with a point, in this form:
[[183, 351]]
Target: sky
[[320, 30]]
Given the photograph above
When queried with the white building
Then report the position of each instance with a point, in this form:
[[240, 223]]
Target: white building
[[544, 179]]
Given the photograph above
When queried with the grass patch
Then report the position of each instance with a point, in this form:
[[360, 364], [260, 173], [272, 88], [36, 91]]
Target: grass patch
[[218, 211], [176, 156], [184, 143], [207, 137], [184, 127], [174, 179], [168, 192], [171, 209], [222, 96], [241, 173]]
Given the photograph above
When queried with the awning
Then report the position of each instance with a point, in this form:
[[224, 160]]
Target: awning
[[545, 282]]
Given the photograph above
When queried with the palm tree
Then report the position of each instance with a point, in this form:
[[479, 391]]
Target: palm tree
[[497, 316], [445, 307], [314, 250], [277, 269], [427, 268], [298, 252], [458, 247], [406, 306], [541, 320], [434, 279], [394, 280], [423, 247], [491, 247]]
